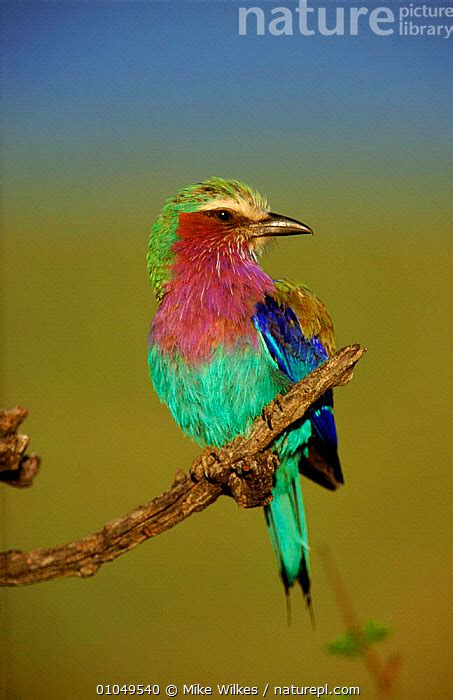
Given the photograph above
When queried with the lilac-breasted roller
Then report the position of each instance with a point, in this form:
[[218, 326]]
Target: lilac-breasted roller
[[226, 339]]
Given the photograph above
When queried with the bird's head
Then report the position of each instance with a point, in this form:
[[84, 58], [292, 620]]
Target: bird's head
[[211, 218]]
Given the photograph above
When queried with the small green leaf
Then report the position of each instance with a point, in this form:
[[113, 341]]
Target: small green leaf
[[374, 632], [349, 644], [353, 644]]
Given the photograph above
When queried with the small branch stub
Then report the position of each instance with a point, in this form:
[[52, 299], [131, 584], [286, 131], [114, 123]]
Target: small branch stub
[[16, 468], [252, 479]]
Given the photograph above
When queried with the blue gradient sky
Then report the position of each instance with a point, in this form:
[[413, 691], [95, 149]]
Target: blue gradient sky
[[166, 93]]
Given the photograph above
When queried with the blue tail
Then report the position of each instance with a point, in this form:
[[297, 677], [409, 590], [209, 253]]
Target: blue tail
[[285, 517]]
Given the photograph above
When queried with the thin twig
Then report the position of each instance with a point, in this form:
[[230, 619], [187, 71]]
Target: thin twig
[[384, 673]]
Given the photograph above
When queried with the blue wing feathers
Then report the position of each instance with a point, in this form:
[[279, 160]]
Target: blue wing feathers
[[322, 420], [295, 356]]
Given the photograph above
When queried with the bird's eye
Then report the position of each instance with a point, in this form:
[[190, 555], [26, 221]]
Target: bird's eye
[[223, 215]]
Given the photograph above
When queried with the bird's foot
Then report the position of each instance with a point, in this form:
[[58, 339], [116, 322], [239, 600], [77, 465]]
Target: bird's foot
[[277, 402], [208, 466], [265, 415], [249, 480]]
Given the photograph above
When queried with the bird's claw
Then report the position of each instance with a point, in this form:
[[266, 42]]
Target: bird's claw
[[278, 404], [205, 467], [266, 418]]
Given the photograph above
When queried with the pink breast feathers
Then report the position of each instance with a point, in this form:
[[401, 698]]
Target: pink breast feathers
[[210, 298]]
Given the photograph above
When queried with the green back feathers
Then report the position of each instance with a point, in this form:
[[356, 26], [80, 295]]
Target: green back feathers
[[164, 232], [159, 256], [313, 316]]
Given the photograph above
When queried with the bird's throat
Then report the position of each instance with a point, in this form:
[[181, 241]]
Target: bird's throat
[[209, 302]]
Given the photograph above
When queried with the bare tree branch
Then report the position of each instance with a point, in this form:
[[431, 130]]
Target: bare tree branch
[[243, 469]]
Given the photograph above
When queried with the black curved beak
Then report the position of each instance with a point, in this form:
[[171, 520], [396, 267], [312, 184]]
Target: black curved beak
[[278, 225]]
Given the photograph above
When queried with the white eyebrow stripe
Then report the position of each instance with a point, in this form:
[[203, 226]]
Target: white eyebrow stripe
[[239, 205]]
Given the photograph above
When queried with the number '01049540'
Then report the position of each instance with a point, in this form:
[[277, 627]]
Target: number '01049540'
[[128, 689]]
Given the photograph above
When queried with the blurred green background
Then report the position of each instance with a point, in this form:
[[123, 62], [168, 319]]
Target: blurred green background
[[108, 109]]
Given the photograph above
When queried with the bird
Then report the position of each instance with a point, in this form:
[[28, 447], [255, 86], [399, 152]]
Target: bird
[[226, 339]]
